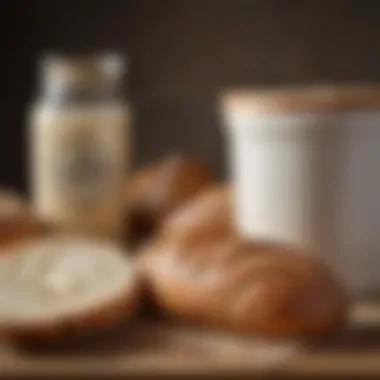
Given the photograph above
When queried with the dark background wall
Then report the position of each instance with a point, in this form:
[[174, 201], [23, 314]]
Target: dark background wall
[[182, 53]]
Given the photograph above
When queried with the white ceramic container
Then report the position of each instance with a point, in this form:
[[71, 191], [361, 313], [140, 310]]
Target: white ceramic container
[[306, 168]]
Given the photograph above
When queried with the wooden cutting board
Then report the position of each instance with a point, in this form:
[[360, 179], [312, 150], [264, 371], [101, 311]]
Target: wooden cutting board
[[159, 349]]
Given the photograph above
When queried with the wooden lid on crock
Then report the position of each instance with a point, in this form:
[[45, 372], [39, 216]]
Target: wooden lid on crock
[[312, 99]]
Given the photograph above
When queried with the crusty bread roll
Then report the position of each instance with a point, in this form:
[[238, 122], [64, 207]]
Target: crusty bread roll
[[10, 202], [61, 287], [17, 223], [208, 214], [243, 286], [158, 189]]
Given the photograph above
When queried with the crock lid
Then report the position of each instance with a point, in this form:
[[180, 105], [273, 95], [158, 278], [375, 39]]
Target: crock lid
[[312, 99]]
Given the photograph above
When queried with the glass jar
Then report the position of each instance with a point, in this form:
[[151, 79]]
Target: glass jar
[[79, 138]]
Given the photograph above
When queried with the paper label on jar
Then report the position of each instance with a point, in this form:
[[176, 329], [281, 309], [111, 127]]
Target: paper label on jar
[[79, 166], [84, 168]]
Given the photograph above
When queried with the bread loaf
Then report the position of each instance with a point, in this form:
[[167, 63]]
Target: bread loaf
[[158, 189], [60, 287], [208, 214], [17, 223], [243, 286]]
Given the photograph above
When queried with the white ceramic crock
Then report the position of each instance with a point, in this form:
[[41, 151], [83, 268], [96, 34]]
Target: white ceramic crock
[[306, 167]]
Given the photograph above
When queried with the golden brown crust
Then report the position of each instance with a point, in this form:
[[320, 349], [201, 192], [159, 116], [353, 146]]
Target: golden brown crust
[[209, 213], [158, 189], [243, 286], [17, 223]]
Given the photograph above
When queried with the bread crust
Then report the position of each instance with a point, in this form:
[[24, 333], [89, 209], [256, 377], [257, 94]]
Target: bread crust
[[243, 286], [209, 213], [17, 223], [158, 189]]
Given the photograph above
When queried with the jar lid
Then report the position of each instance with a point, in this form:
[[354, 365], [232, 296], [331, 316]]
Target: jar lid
[[313, 99], [84, 70]]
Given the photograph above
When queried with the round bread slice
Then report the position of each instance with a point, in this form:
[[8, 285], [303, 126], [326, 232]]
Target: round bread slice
[[243, 286], [61, 287]]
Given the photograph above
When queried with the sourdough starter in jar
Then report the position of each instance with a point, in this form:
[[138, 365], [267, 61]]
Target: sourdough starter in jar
[[79, 139]]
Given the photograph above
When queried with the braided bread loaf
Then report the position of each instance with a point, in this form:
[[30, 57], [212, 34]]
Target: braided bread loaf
[[243, 286]]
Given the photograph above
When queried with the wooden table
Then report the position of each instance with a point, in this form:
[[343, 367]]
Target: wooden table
[[156, 349]]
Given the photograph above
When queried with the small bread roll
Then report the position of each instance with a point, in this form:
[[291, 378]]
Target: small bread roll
[[158, 189], [243, 286], [17, 224], [60, 287], [10, 202], [208, 214]]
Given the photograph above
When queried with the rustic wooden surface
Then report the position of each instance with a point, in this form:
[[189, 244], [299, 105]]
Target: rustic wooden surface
[[158, 349]]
